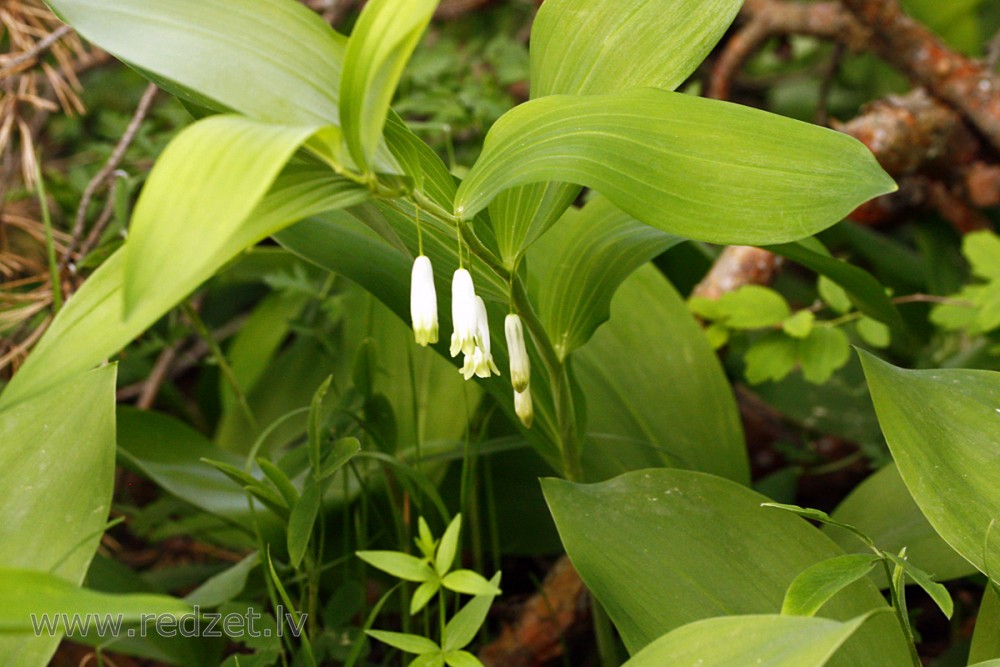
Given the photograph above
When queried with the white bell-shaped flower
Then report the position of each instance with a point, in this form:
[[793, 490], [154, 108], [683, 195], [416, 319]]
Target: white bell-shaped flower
[[523, 407], [423, 302], [520, 364], [463, 313], [480, 362]]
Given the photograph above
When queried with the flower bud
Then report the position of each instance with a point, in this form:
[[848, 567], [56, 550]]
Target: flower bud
[[423, 302], [520, 364], [523, 407]]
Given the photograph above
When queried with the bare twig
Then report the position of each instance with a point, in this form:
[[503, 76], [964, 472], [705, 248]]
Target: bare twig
[[108, 169], [13, 66], [738, 266]]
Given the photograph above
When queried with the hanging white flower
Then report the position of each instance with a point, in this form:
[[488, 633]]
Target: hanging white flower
[[463, 313], [423, 302], [480, 362], [520, 364], [523, 407]]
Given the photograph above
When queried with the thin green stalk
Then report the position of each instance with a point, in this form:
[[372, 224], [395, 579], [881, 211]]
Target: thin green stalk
[[50, 245], [607, 645], [897, 607]]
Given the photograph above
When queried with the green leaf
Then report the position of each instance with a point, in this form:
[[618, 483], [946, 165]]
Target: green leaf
[[463, 626], [224, 586], [403, 566], [429, 660], [280, 481], [943, 429], [819, 583], [833, 294], [405, 642], [695, 167], [767, 641], [383, 39], [986, 637], [461, 659], [424, 593], [57, 475], [799, 325], [449, 544], [468, 582], [696, 422], [594, 47], [316, 433], [882, 508], [823, 352], [727, 556], [753, 307], [874, 332], [580, 266], [863, 290], [92, 325], [982, 249], [302, 520], [272, 60], [771, 358], [937, 592], [342, 452], [28, 593]]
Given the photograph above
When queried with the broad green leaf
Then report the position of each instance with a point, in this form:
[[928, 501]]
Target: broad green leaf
[[824, 351], [882, 508], [763, 641], [29, 593], [468, 582], [381, 43], [861, 287], [982, 249], [273, 60], [224, 586], [405, 642], [986, 637], [943, 429], [936, 591], [398, 564], [580, 265], [662, 359], [594, 47], [171, 453], [695, 167], [463, 626], [873, 332], [819, 583], [771, 358], [727, 556], [302, 520], [521, 215], [57, 474], [92, 325], [749, 307], [449, 545]]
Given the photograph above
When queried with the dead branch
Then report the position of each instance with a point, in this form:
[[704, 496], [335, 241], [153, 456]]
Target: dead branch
[[737, 266]]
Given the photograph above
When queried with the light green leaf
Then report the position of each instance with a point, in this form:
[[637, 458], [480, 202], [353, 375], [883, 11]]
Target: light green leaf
[[824, 351], [522, 214], [315, 425], [424, 593], [224, 586], [695, 424], [302, 520], [28, 593], [771, 358], [936, 591], [753, 307], [461, 659], [463, 626], [468, 582], [943, 429], [581, 264], [343, 451], [817, 584], [403, 566], [763, 641], [620, 533], [874, 332], [695, 167], [982, 249], [92, 325], [383, 39], [280, 480], [882, 508], [833, 294], [800, 324], [405, 642], [273, 60], [429, 660], [57, 455], [594, 47], [449, 545], [986, 637]]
